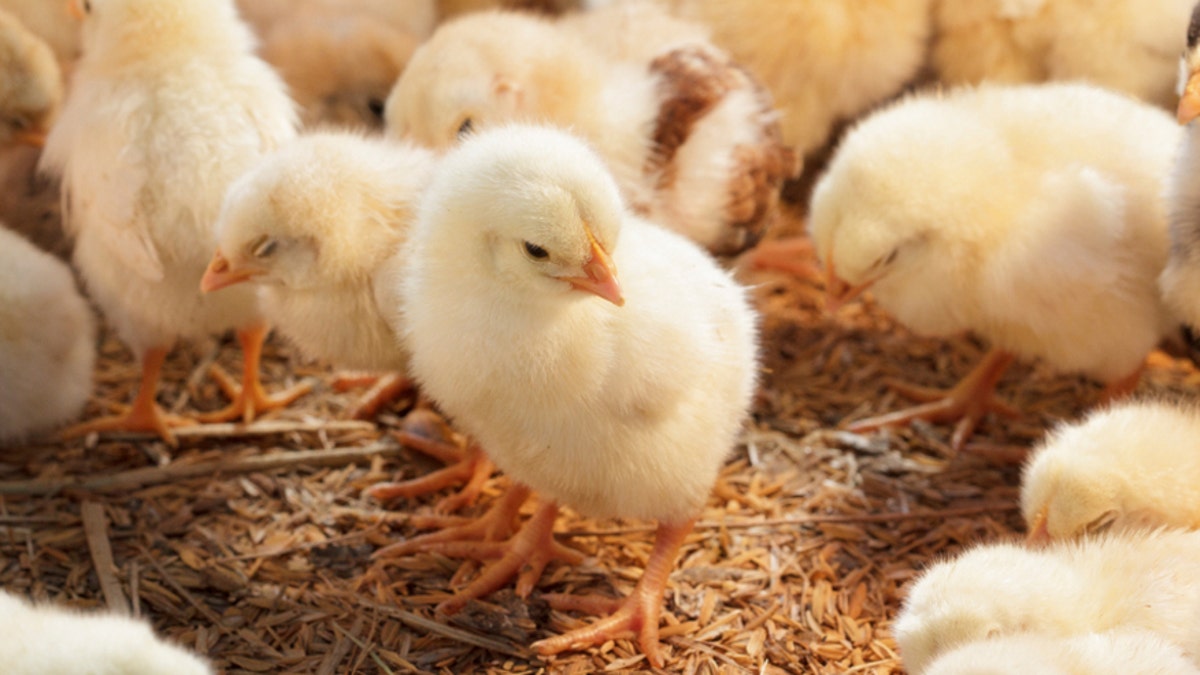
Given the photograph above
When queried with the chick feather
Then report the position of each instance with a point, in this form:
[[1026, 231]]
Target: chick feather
[[41, 639], [53, 23], [1116, 652], [1144, 580], [46, 341], [31, 87]]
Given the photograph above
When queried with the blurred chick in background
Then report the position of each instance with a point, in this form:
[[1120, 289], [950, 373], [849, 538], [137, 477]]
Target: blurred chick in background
[[1030, 215], [47, 341], [691, 137], [1127, 45], [1133, 580], [1135, 464], [1120, 651], [52, 22], [1180, 281], [598, 359], [168, 105]]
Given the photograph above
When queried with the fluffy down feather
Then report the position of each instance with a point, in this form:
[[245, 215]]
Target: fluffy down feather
[[31, 86], [46, 341], [47, 640], [52, 22], [1114, 652], [1137, 580]]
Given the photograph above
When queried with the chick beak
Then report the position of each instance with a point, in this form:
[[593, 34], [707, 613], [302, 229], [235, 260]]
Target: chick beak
[[221, 274], [32, 137], [1189, 102], [75, 10], [600, 275], [1039, 534], [837, 291]]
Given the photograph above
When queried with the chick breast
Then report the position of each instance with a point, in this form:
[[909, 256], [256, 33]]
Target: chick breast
[[47, 338]]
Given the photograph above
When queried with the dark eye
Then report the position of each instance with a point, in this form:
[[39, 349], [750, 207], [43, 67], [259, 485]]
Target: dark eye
[[264, 247], [376, 107], [87, 7], [536, 252], [465, 128]]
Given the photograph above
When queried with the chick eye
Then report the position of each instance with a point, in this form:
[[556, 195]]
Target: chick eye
[[536, 252], [886, 260], [1101, 523], [87, 7], [376, 107], [466, 128], [263, 247]]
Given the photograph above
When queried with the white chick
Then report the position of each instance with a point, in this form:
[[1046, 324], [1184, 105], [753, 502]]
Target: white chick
[[1139, 580], [691, 137], [1030, 215], [822, 61], [618, 398], [52, 22], [1180, 281], [167, 106], [1134, 464], [1125, 45], [1115, 652], [46, 341], [31, 86], [43, 639]]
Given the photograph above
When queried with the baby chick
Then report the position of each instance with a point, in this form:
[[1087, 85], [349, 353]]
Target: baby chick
[[992, 227], [1132, 464], [1125, 45], [46, 341], [619, 396], [1116, 652], [47, 640], [167, 106], [31, 86], [1138, 580], [691, 137], [53, 23], [1180, 281]]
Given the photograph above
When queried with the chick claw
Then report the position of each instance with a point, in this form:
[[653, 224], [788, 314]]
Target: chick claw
[[383, 390], [793, 255], [248, 406], [968, 402], [137, 418], [470, 466]]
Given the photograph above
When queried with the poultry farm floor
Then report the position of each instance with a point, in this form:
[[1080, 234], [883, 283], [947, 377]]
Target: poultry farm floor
[[254, 547]]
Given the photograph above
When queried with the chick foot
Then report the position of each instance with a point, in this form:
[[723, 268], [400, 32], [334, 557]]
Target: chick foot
[[383, 390], [793, 255], [637, 614], [250, 399], [967, 402], [423, 429], [143, 414]]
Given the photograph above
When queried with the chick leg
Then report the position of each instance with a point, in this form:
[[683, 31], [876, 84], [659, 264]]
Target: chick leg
[[144, 414], [383, 390], [639, 612], [250, 399], [967, 402], [793, 255]]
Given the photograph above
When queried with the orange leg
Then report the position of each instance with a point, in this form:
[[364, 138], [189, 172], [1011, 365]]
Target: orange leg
[[793, 255], [144, 414], [638, 613], [426, 432], [250, 399], [383, 390], [967, 402]]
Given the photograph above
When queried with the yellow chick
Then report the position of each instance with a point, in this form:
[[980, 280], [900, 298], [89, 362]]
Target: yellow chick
[[53, 23], [1125, 45], [1116, 652], [1133, 464], [1029, 215], [822, 61], [633, 30], [691, 137], [46, 341], [168, 105], [598, 359], [41, 639], [1180, 281], [1136, 580], [31, 86]]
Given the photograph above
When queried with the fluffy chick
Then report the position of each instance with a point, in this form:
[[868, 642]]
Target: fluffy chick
[[633, 30], [46, 341], [1130, 465], [1125, 45], [416, 17], [31, 86], [822, 61], [168, 105], [1180, 281], [1115, 652], [1132, 580], [618, 398], [53, 23], [691, 137], [47, 640], [1029, 215]]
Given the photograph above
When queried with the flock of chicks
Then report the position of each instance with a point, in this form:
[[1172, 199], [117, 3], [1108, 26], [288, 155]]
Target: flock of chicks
[[552, 288]]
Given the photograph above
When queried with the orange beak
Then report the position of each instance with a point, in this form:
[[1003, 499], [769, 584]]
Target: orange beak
[[1189, 102], [601, 275], [219, 275], [75, 10], [32, 137], [838, 292], [1038, 533]]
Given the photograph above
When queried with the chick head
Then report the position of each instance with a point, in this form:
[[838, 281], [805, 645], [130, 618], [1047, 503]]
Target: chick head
[[318, 211], [1189, 72], [483, 70], [122, 32], [900, 195], [533, 208], [31, 88], [986, 592]]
